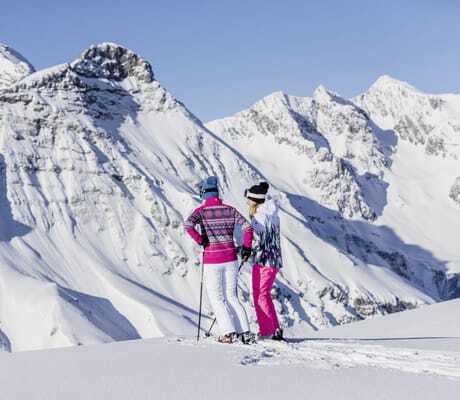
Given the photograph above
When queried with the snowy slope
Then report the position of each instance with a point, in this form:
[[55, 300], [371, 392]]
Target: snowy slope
[[312, 367], [437, 321]]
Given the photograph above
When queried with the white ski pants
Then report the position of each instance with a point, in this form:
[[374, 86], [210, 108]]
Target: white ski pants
[[221, 285]]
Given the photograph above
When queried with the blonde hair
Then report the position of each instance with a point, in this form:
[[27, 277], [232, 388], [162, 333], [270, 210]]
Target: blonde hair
[[253, 208]]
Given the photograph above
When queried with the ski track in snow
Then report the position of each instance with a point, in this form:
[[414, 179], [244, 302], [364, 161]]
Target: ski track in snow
[[331, 355], [349, 355]]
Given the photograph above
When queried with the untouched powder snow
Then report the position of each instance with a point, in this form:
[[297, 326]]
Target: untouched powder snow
[[437, 321], [336, 365]]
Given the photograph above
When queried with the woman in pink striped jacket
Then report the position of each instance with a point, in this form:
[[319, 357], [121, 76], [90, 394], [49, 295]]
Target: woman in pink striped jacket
[[217, 223]]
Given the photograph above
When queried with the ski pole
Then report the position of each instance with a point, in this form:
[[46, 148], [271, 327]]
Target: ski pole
[[208, 333], [201, 301]]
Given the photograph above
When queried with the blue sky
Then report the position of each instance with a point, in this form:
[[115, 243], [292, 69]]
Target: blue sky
[[219, 57]]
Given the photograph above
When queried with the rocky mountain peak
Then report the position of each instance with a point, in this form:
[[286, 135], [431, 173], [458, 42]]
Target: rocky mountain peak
[[13, 66], [325, 97], [114, 62], [322, 94], [386, 83], [423, 119], [276, 100]]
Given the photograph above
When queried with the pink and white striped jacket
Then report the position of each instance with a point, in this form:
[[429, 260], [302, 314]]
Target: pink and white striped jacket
[[217, 222]]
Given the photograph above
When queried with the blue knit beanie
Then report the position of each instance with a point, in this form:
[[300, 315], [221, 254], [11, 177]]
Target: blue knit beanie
[[209, 188]]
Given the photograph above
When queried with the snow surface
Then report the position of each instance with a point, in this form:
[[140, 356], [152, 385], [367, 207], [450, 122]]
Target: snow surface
[[394, 367], [437, 321]]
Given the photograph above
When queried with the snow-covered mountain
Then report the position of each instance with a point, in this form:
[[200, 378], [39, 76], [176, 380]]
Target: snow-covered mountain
[[396, 212], [99, 167], [13, 66], [430, 122]]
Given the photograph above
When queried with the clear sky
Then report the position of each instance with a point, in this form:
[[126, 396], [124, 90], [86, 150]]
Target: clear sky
[[220, 56]]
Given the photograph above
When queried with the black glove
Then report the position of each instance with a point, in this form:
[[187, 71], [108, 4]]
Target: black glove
[[245, 253], [204, 242]]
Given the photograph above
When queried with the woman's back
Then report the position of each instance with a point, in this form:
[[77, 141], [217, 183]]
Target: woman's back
[[266, 225], [217, 222]]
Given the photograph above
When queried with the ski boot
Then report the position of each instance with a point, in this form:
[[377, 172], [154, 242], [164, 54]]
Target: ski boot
[[278, 335], [229, 338], [247, 337]]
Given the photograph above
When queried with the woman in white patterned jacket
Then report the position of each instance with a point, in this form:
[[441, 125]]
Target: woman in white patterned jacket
[[266, 257]]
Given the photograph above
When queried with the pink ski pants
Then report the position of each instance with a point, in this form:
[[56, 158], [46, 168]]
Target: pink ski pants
[[262, 282]]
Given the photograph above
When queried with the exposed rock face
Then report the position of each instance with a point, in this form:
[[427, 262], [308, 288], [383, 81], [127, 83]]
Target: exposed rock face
[[322, 132], [419, 118], [455, 191], [338, 186], [348, 131], [113, 62], [13, 66]]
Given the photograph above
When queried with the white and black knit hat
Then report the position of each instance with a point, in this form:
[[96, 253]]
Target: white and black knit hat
[[257, 193]]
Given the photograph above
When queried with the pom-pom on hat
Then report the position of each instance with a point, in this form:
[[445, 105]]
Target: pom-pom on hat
[[209, 187], [257, 193]]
